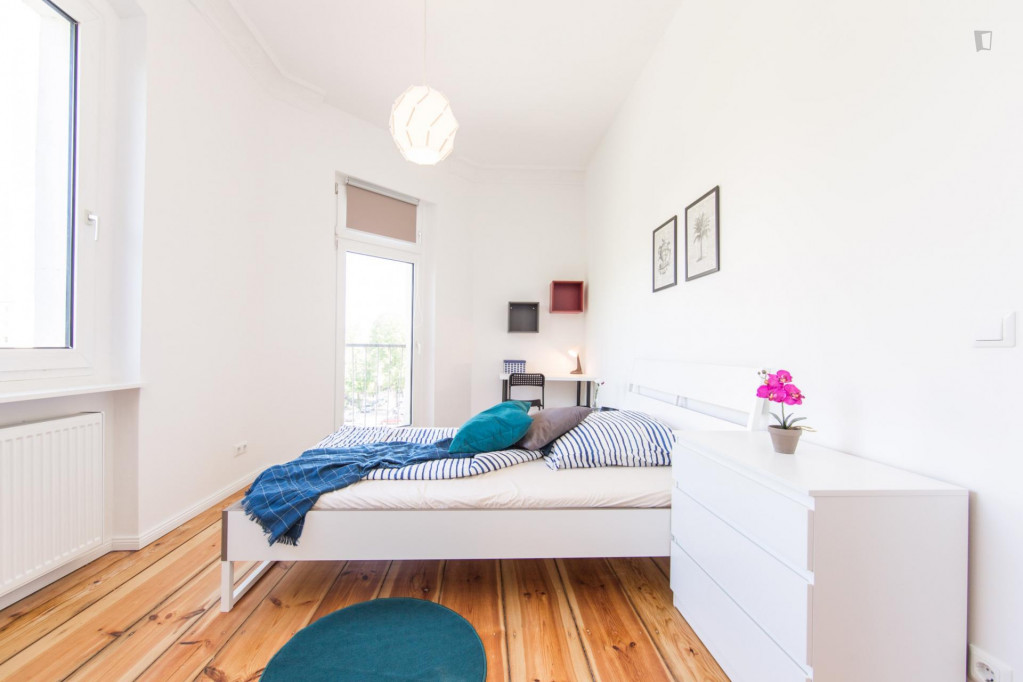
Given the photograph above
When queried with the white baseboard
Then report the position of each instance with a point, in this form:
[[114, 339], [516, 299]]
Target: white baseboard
[[54, 575], [124, 543], [133, 542], [159, 530]]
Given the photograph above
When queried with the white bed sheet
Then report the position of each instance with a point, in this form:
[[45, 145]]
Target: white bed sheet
[[524, 486]]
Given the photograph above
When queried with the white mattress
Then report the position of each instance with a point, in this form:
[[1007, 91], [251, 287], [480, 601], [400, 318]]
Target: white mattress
[[523, 486]]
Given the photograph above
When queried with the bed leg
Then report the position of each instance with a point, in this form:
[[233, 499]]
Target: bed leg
[[229, 594], [226, 585]]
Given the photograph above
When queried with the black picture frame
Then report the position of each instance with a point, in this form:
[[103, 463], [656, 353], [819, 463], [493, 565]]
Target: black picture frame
[[664, 254], [700, 207]]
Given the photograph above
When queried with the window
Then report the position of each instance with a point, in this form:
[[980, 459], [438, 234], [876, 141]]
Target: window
[[378, 352], [38, 61], [382, 348]]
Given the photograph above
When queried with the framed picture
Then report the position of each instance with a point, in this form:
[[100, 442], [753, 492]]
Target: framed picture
[[703, 235], [664, 258]]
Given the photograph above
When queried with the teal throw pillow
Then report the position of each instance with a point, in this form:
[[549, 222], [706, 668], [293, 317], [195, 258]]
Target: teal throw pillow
[[497, 428]]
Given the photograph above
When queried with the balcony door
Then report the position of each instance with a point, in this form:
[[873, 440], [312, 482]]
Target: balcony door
[[379, 336]]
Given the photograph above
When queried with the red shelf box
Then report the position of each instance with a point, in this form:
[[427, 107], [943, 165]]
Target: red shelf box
[[567, 297]]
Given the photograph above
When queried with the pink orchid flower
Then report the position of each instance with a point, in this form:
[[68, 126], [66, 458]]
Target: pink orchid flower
[[778, 388]]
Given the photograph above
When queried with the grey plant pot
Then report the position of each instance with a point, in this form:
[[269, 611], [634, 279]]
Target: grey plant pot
[[784, 440]]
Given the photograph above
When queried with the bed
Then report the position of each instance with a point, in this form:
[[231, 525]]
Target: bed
[[523, 511]]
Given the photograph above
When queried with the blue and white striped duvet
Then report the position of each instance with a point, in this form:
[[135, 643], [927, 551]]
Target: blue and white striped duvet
[[437, 469]]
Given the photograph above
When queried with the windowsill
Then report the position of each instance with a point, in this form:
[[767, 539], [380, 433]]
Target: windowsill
[[42, 393]]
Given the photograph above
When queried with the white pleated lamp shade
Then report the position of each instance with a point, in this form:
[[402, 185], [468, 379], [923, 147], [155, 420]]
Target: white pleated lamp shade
[[423, 126]]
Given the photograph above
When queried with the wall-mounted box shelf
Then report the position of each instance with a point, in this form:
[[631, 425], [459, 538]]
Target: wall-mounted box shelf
[[523, 317], [567, 297]]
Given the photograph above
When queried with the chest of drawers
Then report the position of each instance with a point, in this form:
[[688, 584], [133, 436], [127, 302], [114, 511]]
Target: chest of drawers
[[817, 566]]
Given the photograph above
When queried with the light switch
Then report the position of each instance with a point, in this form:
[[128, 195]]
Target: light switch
[[995, 330]]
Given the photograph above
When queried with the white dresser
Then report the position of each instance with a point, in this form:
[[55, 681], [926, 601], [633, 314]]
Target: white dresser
[[817, 566]]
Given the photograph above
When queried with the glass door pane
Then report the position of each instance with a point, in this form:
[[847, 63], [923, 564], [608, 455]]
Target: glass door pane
[[379, 295]]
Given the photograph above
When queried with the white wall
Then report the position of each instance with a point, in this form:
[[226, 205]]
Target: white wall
[[528, 232], [870, 163], [218, 221], [238, 290], [239, 266]]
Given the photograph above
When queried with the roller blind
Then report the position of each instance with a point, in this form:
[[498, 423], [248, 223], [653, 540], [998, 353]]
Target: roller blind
[[381, 214]]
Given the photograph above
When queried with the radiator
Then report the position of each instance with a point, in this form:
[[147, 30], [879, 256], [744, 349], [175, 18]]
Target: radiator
[[51, 495]]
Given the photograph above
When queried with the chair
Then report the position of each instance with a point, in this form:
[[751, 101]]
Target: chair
[[522, 379]]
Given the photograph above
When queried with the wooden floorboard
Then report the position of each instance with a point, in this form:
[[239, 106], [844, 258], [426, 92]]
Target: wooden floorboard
[[647, 589], [358, 581], [662, 563], [61, 650], [473, 589], [543, 641], [617, 642], [141, 644], [418, 579], [193, 651], [287, 609], [33, 602], [63, 600], [154, 615]]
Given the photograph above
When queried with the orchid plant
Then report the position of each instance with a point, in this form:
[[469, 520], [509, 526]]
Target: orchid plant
[[596, 392], [778, 388]]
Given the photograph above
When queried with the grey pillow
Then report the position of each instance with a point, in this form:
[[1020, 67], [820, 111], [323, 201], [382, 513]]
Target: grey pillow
[[549, 425]]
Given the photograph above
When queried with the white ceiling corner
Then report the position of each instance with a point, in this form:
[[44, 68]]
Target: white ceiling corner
[[534, 83], [252, 50]]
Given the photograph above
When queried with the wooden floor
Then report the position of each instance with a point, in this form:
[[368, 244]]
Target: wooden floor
[[154, 615]]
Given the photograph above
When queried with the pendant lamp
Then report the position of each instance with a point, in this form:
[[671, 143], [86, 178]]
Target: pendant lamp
[[422, 124]]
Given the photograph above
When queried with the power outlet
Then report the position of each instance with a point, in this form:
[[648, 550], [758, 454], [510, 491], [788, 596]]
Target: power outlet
[[984, 667], [241, 448]]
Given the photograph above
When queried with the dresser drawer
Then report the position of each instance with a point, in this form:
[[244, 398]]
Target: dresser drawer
[[740, 647], [778, 523], [773, 595]]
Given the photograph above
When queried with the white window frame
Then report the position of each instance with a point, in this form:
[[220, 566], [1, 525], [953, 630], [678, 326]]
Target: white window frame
[[357, 241], [42, 363]]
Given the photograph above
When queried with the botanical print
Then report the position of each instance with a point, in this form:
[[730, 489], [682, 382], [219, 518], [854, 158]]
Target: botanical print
[[701, 230], [702, 236], [665, 251], [664, 258]]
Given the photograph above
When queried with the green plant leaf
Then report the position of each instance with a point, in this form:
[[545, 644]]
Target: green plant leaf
[[778, 419]]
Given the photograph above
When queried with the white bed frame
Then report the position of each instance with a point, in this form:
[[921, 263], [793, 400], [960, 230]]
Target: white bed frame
[[685, 396]]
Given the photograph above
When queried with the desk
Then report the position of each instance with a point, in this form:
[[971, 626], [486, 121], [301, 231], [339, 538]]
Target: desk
[[579, 380]]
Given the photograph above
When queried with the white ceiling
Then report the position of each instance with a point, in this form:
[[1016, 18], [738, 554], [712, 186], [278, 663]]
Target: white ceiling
[[533, 83]]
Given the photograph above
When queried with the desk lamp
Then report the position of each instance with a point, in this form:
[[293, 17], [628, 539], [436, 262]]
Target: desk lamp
[[578, 363]]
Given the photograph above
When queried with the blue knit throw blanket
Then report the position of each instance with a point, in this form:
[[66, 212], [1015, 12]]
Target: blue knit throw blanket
[[280, 497]]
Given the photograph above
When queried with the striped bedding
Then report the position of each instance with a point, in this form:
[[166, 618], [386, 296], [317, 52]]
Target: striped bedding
[[438, 469], [615, 438]]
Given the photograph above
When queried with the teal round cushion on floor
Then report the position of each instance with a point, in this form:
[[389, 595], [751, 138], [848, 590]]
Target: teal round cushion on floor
[[383, 639]]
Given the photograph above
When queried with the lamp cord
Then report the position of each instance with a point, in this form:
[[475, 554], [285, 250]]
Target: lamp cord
[[424, 42]]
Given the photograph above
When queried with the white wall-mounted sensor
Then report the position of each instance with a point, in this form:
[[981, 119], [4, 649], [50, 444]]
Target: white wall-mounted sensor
[[995, 330]]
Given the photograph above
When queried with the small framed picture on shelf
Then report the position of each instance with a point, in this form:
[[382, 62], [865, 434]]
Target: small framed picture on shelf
[[703, 235], [664, 259]]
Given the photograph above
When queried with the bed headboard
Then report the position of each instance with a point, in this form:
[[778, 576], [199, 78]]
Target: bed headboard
[[698, 396]]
